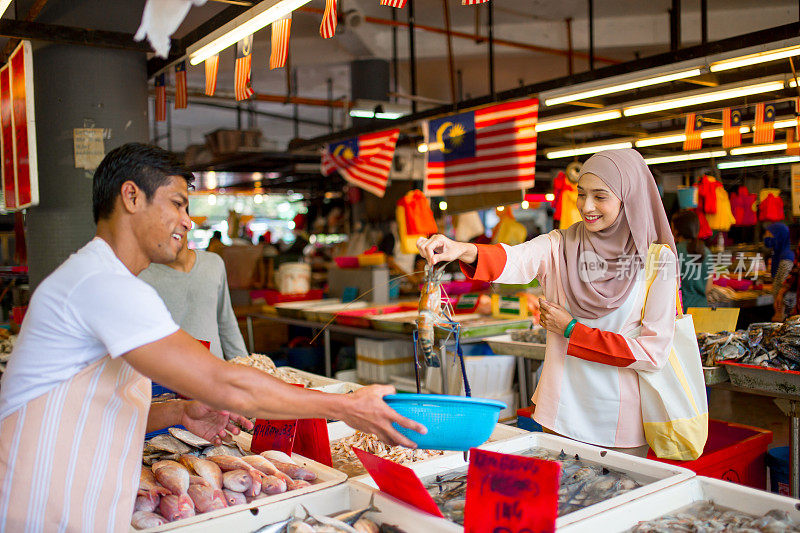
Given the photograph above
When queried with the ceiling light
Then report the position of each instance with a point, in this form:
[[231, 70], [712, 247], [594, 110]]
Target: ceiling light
[[501, 208], [780, 124], [525, 204], [590, 93], [577, 120], [422, 148], [705, 97], [258, 199], [212, 200], [249, 22], [4, 5], [742, 150], [684, 157], [550, 197], [443, 205], [754, 59], [758, 162], [591, 149]]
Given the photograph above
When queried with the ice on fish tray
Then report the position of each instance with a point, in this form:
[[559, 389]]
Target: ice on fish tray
[[706, 516], [582, 484]]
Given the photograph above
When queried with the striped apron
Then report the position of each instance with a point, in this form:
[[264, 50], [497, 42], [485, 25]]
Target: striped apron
[[70, 459]]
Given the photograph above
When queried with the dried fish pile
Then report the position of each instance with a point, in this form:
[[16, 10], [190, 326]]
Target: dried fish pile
[[708, 517], [537, 335], [7, 341], [265, 363], [582, 484], [186, 476], [305, 521], [766, 344], [345, 460]]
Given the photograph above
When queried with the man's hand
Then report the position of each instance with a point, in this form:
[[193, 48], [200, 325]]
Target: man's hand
[[367, 411], [211, 424], [439, 248], [553, 316]]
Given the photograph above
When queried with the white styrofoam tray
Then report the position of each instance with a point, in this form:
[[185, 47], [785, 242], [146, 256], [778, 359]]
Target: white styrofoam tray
[[327, 477], [325, 384], [334, 500], [653, 475], [723, 493]]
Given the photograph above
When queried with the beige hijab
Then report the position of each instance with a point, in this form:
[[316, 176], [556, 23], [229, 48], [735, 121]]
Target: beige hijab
[[599, 269]]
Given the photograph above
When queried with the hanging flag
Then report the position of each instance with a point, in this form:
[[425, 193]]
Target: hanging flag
[[244, 48], [693, 141], [792, 137], [364, 161], [486, 150], [394, 3], [764, 128], [731, 124], [161, 98], [329, 20], [280, 42], [472, 2], [212, 65], [181, 93]]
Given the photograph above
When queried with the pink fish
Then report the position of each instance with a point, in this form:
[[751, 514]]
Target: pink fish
[[228, 463], [148, 483], [233, 497], [148, 502], [289, 468], [297, 484], [204, 468], [172, 475], [273, 485], [264, 465], [176, 507], [237, 480], [147, 519], [206, 498], [197, 480]]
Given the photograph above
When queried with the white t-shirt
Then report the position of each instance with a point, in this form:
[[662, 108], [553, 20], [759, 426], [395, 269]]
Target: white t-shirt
[[89, 307]]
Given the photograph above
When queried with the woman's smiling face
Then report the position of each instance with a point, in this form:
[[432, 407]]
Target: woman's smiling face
[[598, 206]]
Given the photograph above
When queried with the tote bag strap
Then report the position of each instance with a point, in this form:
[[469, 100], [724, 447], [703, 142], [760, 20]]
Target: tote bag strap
[[651, 271]]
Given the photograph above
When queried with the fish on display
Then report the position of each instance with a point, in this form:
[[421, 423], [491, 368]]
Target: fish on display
[[188, 437], [206, 498], [708, 517], [147, 519], [172, 476], [176, 507], [208, 470], [286, 464]]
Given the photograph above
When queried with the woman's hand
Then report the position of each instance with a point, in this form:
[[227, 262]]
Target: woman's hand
[[553, 316], [211, 424], [439, 248]]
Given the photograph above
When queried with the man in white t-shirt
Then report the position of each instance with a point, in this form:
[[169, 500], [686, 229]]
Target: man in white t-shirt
[[74, 401]]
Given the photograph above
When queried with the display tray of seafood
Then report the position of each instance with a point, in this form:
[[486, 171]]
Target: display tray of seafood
[[593, 479], [530, 349], [296, 376], [184, 479], [297, 309], [326, 312], [345, 507], [699, 504]]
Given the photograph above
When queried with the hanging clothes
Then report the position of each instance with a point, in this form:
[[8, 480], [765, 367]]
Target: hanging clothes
[[722, 219], [771, 208], [558, 186], [743, 204], [705, 230], [707, 194], [569, 207]]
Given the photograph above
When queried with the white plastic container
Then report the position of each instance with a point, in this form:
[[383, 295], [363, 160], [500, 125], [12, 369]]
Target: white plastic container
[[489, 375], [294, 278], [722, 493], [378, 360], [511, 399]]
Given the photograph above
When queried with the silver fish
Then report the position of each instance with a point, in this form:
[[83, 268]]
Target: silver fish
[[169, 444], [328, 521], [351, 517], [189, 438]]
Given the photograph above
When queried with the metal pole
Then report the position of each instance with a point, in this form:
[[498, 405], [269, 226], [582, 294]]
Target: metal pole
[[395, 76], [570, 66], [296, 114], [412, 54], [490, 11], [794, 460], [460, 82], [591, 34], [169, 127], [704, 21], [675, 25], [250, 342], [328, 365], [330, 109], [450, 65]]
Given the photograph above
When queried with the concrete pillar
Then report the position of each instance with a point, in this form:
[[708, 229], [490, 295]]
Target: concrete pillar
[[77, 87]]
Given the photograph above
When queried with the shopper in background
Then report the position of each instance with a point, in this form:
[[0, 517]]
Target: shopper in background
[[594, 305], [215, 244], [781, 262], [694, 259], [194, 288]]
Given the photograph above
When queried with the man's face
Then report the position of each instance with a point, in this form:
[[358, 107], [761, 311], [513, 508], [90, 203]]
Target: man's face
[[162, 225]]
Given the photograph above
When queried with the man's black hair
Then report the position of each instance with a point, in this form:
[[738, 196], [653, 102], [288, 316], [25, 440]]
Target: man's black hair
[[149, 167]]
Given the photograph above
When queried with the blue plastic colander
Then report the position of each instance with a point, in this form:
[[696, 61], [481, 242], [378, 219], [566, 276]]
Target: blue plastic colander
[[453, 422]]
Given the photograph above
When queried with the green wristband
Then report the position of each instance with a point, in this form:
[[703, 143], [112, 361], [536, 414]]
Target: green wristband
[[569, 328]]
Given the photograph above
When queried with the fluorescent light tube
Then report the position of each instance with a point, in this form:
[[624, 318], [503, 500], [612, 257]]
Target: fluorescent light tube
[[780, 124], [684, 157], [249, 22], [576, 120], [754, 59], [758, 162], [742, 150], [4, 5], [580, 150], [590, 93], [681, 137], [703, 98]]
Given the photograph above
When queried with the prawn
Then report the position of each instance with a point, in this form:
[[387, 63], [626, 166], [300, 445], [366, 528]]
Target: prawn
[[431, 312]]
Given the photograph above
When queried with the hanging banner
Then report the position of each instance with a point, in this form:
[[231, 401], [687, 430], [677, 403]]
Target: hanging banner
[[281, 29], [327, 28], [731, 124], [764, 127], [694, 123], [212, 66]]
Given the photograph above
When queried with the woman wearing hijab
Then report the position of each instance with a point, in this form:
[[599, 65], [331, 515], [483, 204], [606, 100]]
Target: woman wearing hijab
[[777, 238], [600, 332]]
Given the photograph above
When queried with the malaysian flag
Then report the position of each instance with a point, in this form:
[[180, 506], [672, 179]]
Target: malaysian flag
[[472, 2], [693, 141], [181, 93], [280, 42], [764, 128], [792, 137], [731, 124], [212, 66], [161, 98], [364, 161], [244, 48], [486, 150], [394, 3], [328, 27]]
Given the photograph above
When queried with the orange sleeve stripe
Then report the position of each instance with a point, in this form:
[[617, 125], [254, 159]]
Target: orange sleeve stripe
[[599, 346], [490, 264]]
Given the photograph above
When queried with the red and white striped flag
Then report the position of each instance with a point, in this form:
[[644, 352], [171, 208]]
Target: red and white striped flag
[[161, 98], [693, 141], [486, 150], [212, 66], [280, 42], [181, 92], [394, 3], [364, 161], [472, 2], [329, 20], [764, 128], [731, 124], [244, 49]]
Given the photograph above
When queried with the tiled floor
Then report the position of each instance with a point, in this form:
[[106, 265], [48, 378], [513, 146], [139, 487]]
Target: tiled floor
[[751, 410]]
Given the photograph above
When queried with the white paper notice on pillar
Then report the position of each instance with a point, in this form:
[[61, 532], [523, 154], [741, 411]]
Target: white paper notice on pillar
[[796, 190], [18, 162], [89, 147]]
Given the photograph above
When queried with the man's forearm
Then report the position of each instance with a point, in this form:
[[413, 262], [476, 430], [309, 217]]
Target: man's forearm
[[164, 414]]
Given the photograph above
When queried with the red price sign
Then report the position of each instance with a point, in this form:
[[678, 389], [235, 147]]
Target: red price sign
[[311, 440], [273, 435], [398, 481], [510, 494]]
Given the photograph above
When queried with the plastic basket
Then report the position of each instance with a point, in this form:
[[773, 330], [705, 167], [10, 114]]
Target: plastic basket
[[453, 422]]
